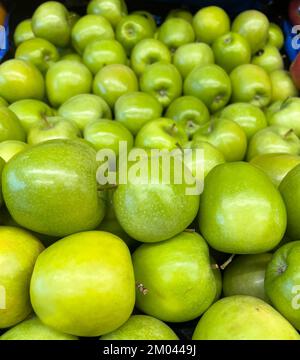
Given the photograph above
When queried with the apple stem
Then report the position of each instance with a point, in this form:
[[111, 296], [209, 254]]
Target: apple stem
[[289, 132], [190, 230], [106, 187], [179, 146], [142, 288], [215, 266], [227, 262]]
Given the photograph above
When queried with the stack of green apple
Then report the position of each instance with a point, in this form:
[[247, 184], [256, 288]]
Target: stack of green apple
[[128, 262]]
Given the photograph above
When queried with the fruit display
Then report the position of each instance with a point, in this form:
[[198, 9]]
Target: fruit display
[[150, 176]]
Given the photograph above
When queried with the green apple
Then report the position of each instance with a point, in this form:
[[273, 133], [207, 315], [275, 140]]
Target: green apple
[[252, 84], [72, 57], [231, 50], [250, 118], [148, 16], [241, 211], [19, 251], [113, 81], [189, 113], [112, 10], [166, 270], [62, 84], [135, 109], [142, 327], [30, 112], [38, 198], [20, 80], [227, 136], [276, 37], [39, 52], [147, 52], [34, 329], [276, 166], [273, 140], [254, 26], [210, 84], [283, 86], [92, 268], [98, 54], [242, 317], [187, 57], [269, 58], [180, 13], [163, 81], [73, 18], [161, 133], [282, 282], [246, 276], [83, 109], [23, 32], [3, 102], [131, 29], [210, 23], [10, 126], [50, 21], [90, 28], [9, 148]]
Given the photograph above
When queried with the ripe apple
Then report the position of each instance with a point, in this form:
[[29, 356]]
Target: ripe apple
[[231, 50], [19, 251], [10, 126], [3, 102], [98, 54], [142, 327], [148, 16], [163, 81], [135, 109], [77, 274], [39, 52], [163, 273], [189, 56], [23, 32], [72, 57], [295, 71], [241, 211], [9, 148], [254, 319], [276, 37], [294, 12], [253, 25], [61, 84], [180, 13], [210, 23], [283, 86], [20, 80], [112, 10], [50, 21], [269, 58], [38, 198], [113, 81], [90, 28], [252, 84]]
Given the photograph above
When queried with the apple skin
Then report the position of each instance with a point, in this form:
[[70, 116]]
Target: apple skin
[[112, 10], [168, 269], [113, 81], [276, 166], [9, 148], [252, 84], [147, 52], [19, 251], [293, 10], [72, 57], [231, 50], [254, 26], [276, 37], [44, 203], [10, 126], [246, 275], [189, 113], [135, 109], [90, 28], [20, 80], [187, 57], [283, 86], [231, 191], [50, 21], [269, 58], [39, 52], [83, 109], [294, 70], [98, 54], [142, 327], [61, 84], [82, 263], [148, 16], [180, 13], [23, 32], [254, 319], [210, 23], [282, 278], [3, 102]]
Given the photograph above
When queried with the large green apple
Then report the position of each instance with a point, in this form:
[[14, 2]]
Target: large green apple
[[81, 274], [180, 13], [135, 109], [269, 58], [35, 191], [23, 32], [210, 84], [61, 84], [9, 148], [112, 10], [20, 80], [142, 327], [166, 270], [241, 211], [19, 251], [283, 86], [10, 126], [242, 317], [276, 37]]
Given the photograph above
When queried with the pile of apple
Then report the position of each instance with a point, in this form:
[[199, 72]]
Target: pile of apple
[[82, 260]]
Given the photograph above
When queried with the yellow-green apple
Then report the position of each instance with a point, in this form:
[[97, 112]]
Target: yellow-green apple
[[9, 148], [283, 86], [148, 16], [112, 10], [10, 126], [23, 32], [276, 37], [3, 102], [269, 58], [180, 13]]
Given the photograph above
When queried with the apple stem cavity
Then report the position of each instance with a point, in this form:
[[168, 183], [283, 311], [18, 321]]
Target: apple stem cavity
[[142, 289], [227, 262], [289, 132]]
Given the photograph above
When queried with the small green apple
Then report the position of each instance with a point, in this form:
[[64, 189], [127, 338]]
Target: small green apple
[[10, 126], [276, 37], [283, 86], [148, 16], [23, 32], [112, 10], [180, 13], [269, 58], [72, 57], [9, 148]]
